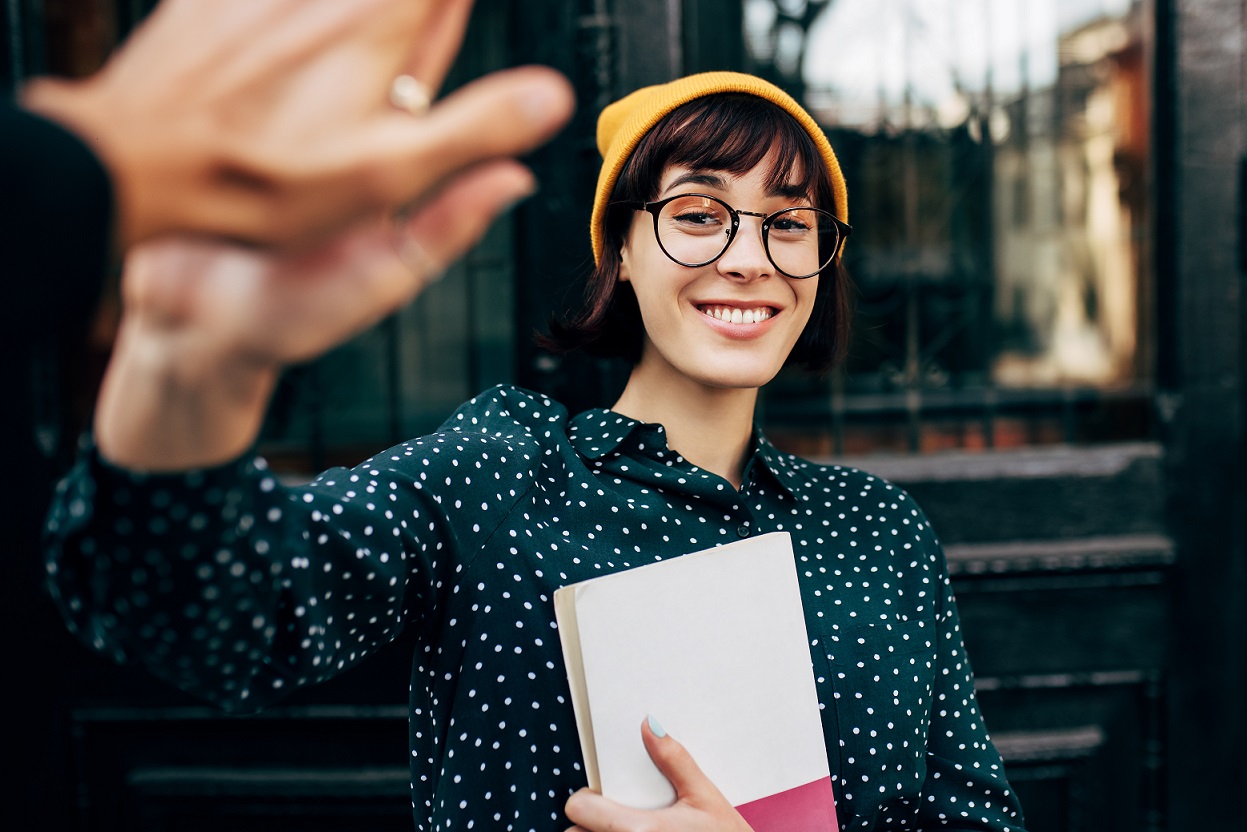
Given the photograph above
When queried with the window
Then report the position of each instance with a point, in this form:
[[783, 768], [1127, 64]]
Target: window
[[997, 159]]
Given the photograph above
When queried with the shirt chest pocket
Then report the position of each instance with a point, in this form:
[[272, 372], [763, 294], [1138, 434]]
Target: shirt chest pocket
[[882, 680]]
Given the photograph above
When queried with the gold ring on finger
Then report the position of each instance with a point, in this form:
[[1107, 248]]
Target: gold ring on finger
[[410, 95]]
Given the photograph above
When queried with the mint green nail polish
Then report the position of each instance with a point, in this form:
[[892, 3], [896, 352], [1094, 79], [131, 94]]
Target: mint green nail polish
[[655, 726]]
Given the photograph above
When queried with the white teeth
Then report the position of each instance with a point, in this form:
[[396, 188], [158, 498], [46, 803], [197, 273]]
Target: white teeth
[[735, 315]]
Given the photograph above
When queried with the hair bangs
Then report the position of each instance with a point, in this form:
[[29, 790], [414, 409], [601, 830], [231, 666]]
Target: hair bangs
[[734, 133]]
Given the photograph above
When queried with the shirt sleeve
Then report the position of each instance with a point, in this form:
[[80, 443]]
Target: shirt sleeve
[[238, 589], [965, 786], [56, 220]]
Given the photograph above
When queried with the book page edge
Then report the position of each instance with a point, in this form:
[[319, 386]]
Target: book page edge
[[569, 638]]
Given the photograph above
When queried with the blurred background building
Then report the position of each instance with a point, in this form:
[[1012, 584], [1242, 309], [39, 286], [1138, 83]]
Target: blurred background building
[[1050, 352]]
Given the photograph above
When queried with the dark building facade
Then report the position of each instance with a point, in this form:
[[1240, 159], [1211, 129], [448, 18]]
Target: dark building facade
[[1051, 355]]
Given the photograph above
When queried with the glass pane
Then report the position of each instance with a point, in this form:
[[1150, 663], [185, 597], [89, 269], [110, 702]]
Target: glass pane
[[997, 159]]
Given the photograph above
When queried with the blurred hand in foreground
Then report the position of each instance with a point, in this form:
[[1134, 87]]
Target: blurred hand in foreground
[[270, 122], [208, 325]]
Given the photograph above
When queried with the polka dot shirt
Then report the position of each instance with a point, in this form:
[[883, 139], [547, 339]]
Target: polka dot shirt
[[237, 588]]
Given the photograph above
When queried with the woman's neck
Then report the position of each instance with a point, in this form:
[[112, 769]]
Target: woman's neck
[[711, 427]]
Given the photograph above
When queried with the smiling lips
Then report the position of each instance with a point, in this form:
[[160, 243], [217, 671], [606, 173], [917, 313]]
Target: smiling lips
[[736, 315]]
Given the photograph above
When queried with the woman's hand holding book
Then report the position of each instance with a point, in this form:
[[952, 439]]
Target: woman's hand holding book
[[699, 804]]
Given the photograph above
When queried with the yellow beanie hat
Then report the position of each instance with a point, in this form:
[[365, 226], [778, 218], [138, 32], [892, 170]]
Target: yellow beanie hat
[[623, 124]]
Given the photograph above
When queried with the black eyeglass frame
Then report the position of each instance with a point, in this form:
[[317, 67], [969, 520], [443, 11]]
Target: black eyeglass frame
[[843, 230]]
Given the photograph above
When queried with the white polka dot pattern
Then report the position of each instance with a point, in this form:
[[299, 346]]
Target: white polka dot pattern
[[239, 589]]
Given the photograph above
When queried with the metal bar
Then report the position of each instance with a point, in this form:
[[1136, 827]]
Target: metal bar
[[675, 37], [17, 51], [1069, 416], [1154, 754], [316, 418], [29, 35], [393, 334], [1242, 214], [837, 413], [913, 368], [989, 417]]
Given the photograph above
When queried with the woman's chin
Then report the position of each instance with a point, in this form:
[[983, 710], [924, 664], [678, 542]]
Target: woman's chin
[[711, 365], [736, 375]]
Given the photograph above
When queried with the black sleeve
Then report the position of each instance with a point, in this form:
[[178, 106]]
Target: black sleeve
[[56, 217]]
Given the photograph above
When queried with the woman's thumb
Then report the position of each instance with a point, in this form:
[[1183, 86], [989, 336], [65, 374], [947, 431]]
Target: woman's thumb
[[672, 759]]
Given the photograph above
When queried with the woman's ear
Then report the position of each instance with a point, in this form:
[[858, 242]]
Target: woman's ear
[[625, 275]]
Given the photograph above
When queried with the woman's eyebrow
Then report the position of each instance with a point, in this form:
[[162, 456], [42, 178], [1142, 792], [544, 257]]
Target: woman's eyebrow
[[791, 190], [698, 178], [788, 190]]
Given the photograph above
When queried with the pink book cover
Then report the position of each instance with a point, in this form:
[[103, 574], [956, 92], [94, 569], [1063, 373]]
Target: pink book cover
[[712, 644], [810, 808]]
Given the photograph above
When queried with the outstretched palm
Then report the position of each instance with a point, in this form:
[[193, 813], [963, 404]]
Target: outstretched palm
[[220, 302], [208, 325]]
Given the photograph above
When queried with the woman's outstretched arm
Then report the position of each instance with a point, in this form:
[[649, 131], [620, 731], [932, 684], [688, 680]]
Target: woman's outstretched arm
[[170, 547], [207, 326]]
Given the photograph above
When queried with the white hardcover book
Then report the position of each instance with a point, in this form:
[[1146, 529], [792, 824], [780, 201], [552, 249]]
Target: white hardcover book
[[713, 645]]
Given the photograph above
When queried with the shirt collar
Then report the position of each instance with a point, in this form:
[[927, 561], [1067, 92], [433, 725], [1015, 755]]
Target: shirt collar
[[784, 468], [598, 433]]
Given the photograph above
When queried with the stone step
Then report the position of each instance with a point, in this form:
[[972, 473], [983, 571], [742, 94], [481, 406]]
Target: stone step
[[1084, 554], [1033, 494]]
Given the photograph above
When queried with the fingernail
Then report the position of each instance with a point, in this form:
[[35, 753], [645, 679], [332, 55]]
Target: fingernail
[[530, 189], [527, 192], [655, 726], [545, 101]]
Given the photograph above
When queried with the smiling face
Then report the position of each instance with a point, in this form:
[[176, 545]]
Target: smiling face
[[731, 142], [729, 324]]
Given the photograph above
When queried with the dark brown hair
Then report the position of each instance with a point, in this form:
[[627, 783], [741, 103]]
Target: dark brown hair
[[731, 132]]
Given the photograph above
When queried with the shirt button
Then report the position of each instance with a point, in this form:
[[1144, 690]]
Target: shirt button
[[742, 530]]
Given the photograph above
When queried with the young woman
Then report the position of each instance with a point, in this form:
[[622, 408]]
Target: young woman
[[717, 229]]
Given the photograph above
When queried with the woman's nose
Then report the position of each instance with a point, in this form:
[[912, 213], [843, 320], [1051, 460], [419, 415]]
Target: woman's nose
[[746, 256]]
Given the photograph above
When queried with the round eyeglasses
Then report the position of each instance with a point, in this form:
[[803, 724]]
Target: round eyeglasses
[[696, 229]]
